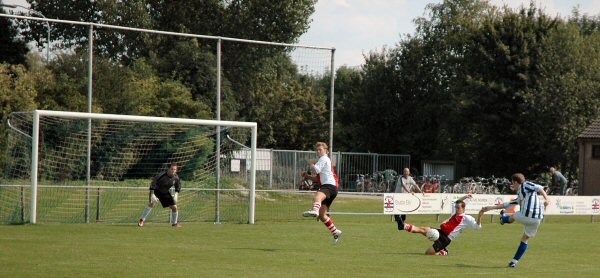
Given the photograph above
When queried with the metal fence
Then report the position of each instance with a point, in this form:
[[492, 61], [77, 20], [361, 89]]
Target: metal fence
[[281, 169]]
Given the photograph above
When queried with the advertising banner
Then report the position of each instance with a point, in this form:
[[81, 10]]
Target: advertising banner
[[442, 203]]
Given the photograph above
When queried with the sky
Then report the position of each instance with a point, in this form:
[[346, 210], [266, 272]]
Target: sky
[[354, 27]]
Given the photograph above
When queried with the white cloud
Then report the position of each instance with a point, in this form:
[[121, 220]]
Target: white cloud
[[354, 27]]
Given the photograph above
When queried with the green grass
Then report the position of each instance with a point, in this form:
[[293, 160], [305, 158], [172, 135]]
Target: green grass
[[371, 247]]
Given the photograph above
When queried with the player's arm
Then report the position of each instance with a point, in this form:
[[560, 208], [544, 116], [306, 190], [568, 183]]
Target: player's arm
[[406, 189], [488, 208], [479, 217], [468, 196], [417, 186], [177, 190], [305, 175], [313, 178], [546, 199], [504, 205], [178, 185], [153, 186]]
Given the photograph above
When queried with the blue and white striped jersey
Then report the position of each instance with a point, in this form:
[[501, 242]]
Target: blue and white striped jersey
[[530, 204]]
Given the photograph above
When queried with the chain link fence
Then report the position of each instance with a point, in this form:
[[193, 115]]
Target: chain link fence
[[281, 169]]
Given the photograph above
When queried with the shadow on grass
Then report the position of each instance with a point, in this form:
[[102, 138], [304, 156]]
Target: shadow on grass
[[479, 266], [257, 249], [405, 253]]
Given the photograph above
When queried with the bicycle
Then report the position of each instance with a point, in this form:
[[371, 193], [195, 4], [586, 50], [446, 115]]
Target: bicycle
[[573, 188]]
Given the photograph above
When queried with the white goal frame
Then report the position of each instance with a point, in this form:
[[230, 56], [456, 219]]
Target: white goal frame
[[89, 116]]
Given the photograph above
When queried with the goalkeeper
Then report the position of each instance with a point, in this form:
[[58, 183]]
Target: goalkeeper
[[159, 191]]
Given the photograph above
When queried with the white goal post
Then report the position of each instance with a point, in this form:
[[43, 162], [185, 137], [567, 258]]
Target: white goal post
[[35, 140]]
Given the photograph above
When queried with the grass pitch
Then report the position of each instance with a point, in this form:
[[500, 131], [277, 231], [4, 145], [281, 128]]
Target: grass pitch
[[370, 247]]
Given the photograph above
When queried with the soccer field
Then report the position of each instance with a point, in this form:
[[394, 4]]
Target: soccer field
[[370, 247]]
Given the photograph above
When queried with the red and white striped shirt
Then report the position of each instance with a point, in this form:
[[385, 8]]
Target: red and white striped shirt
[[454, 225]]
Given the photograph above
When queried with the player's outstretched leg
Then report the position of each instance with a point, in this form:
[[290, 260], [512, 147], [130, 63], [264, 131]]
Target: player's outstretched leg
[[443, 252], [335, 232], [147, 211], [504, 219], [175, 217], [520, 251], [314, 212], [336, 236], [399, 221]]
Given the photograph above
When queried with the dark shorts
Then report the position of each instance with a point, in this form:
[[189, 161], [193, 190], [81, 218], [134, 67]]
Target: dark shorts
[[166, 200], [442, 242], [330, 192]]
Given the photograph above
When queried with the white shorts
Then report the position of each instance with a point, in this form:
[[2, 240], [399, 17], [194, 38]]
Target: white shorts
[[531, 224]]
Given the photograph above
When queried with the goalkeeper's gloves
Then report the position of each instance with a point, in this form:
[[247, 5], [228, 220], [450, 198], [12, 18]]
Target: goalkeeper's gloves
[[153, 198], [176, 197]]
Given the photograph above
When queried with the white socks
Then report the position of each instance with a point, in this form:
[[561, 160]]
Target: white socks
[[174, 216], [147, 211]]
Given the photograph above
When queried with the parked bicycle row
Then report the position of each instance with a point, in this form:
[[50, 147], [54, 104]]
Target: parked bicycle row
[[389, 181]]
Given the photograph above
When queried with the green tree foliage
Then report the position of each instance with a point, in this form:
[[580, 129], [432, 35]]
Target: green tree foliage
[[503, 69], [164, 75], [498, 90], [349, 113], [118, 46], [569, 89], [289, 112], [17, 93], [12, 47]]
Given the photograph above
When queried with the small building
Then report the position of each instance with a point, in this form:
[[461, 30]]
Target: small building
[[589, 159], [444, 168]]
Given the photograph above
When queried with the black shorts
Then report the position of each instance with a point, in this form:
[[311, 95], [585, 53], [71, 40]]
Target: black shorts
[[330, 192], [166, 200], [442, 242]]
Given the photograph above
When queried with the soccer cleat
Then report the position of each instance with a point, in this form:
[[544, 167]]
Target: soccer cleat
[[141, 223], [398, 219], [176, 225], [443, 252], [336, 236], [512, 264], [501, 216], [310, 213]]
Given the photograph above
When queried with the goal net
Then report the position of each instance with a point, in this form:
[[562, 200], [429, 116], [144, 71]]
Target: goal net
[[70, 167]]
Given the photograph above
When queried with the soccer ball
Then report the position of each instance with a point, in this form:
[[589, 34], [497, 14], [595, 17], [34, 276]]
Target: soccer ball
[[433, 234]]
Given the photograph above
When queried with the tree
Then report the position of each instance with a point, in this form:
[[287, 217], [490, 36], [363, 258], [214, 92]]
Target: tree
[[17, 93], [121, 46], [570, 90], [12, 47], [497, 90], [289, 112], [349, 112]]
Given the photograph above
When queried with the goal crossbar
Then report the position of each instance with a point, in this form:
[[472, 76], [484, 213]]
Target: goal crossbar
[[81, 115]]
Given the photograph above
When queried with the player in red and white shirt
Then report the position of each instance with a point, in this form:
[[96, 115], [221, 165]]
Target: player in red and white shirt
[[327, 192], [450, 228]]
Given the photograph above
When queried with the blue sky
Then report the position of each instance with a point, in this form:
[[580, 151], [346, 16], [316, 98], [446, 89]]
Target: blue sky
[[355, 27]]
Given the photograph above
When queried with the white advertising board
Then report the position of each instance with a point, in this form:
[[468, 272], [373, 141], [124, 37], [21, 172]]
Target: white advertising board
[[441, 203]]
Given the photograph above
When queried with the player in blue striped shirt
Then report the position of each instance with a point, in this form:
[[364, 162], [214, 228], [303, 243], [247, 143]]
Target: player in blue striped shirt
[[530, 213]]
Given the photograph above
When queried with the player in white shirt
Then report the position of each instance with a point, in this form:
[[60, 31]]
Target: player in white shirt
[[450, 229], [328, 189], [530, 213]]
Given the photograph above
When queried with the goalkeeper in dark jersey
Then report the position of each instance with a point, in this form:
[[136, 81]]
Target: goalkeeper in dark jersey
[[159, 191]]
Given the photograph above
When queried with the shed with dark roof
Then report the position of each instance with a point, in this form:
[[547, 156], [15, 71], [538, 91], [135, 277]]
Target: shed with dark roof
[[589, 159]]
